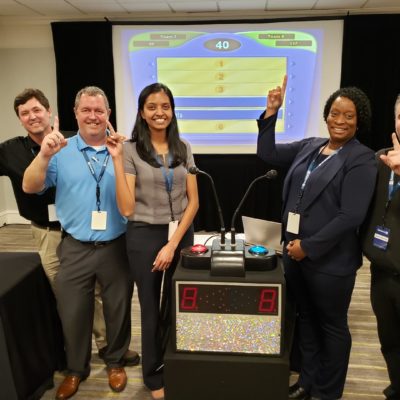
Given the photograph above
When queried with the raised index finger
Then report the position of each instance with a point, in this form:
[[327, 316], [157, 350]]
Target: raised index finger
[[111, 128], [56, 125], [395, 140]]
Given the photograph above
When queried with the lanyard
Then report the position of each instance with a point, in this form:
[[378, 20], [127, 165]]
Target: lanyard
[[312, 167], [169, 180], [392, 189], [95, 177]]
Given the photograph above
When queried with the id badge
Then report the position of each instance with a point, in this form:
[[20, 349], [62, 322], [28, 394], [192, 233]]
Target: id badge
[[172, 226], [293, 223], [99, 220], [51, 209], [381, 237]]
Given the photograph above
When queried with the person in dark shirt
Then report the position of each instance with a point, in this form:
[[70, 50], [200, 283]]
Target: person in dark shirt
[[33, 110], [381, 231]]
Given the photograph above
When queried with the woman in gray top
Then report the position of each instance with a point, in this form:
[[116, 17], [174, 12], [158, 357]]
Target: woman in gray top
[[160, 199]]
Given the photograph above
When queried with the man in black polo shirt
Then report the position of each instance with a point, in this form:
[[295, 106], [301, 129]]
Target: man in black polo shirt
[[33, 110]]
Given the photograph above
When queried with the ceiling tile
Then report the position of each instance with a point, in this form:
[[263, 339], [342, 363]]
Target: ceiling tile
[[49, 7], [143, 6], [94, 8], [382, 3], [32, 3], [98, 6], [338, 4], [194, 6], [290, 4], [14, 9], [234, 5]]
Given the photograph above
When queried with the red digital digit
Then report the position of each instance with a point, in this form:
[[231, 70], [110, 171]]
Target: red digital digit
[[189, 298], [267, 303]]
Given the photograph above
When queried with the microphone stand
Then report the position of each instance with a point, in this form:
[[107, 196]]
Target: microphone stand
[[196, 171], [272, 174], [228, 259]]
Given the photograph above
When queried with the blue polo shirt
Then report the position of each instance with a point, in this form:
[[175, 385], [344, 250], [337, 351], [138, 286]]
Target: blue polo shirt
[[75, 186]]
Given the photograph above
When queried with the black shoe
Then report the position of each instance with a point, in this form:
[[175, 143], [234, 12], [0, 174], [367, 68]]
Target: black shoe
[[391, 394], [130, 359], [298, 393]]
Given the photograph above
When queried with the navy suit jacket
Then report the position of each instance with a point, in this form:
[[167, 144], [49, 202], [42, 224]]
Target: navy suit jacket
[[335, 199]]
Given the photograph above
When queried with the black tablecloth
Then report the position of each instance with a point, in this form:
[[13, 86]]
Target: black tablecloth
[[31, 341]]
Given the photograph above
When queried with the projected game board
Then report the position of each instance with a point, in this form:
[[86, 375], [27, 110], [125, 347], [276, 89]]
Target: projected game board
[[220, 81]]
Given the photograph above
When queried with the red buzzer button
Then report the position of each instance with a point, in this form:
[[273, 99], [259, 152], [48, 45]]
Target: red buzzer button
[[198, 249]]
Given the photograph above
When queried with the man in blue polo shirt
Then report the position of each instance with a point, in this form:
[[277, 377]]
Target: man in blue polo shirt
[[93, 247], [33, 111]]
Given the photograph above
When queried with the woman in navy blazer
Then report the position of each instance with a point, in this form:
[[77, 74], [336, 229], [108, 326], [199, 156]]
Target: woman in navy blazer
[[326, 194]]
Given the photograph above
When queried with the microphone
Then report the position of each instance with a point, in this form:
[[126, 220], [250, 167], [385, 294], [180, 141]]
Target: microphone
[[271, 174], [196, 171]]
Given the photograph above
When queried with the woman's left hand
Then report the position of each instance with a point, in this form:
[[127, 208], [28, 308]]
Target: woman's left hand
[[164, 258], [295, 252]]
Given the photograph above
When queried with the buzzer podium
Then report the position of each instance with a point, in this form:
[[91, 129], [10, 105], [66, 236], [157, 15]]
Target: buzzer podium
[[231, 325]]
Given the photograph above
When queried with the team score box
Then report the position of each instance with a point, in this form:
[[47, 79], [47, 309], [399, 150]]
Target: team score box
[[262, 64], [201, 126]]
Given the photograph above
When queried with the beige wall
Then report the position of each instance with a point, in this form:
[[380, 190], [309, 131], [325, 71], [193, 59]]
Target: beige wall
[[26, 60]]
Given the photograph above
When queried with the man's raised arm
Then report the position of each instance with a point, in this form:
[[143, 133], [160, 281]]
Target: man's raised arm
[[35, 174]]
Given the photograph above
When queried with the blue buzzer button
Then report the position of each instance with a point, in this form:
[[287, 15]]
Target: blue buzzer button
[[258, 251], [198, 249]]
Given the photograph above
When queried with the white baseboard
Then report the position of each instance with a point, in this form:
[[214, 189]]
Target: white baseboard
[[8, 217]]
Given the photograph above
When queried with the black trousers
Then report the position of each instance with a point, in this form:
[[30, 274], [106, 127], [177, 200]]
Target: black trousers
[[324, 337], [144, 241], [80, 266], [385, 300]]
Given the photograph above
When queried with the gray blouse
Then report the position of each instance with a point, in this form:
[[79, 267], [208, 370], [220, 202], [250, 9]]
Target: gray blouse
[[151, 196]]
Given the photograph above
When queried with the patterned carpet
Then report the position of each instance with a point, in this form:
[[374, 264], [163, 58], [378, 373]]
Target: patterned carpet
[[366, 378]]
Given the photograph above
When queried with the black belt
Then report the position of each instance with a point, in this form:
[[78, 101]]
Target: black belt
[[95, 243]]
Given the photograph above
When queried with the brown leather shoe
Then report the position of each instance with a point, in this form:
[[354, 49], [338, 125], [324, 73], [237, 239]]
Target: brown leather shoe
[[68, 387], [117, 379]]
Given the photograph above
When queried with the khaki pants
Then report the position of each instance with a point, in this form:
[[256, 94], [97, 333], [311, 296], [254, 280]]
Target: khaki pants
[[47, 241]]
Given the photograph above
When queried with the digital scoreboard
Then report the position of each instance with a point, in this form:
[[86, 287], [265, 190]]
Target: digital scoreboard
[[228, 317]]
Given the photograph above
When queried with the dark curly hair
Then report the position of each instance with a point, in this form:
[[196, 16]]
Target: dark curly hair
[[141, 132], [361, 102]]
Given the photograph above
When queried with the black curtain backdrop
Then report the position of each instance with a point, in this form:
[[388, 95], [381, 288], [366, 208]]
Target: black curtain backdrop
[[83, 52], [232, 174], [370, 61]]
